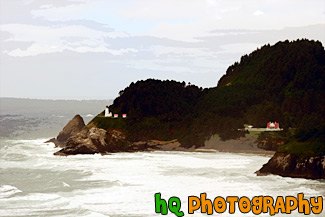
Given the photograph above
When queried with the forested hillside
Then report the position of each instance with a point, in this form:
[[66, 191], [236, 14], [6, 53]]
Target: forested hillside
[[286, 83], [287, 80], [283, 83]]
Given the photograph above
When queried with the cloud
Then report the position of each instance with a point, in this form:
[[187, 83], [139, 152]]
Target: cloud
[[182, 19], [106, 44], [36, 49], [258, 13], [56, 39]]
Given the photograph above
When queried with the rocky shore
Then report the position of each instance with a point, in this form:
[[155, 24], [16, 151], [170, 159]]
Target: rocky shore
[[289, 165], [76, 138]]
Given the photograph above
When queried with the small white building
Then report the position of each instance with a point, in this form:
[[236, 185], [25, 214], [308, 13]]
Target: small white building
[[115, 115], [107, 113], [124, 115]]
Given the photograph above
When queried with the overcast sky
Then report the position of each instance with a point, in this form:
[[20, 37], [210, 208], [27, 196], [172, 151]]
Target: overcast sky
[[92, 49]]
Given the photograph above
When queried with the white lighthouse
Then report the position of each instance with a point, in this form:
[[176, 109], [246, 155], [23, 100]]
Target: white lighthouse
[[107, 113]]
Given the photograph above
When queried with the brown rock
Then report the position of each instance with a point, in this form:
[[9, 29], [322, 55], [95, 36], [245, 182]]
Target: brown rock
[[289, 165], [93, 141], [53, 140], [72, 128]]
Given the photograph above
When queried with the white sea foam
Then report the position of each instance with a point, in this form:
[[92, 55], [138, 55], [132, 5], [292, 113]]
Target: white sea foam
[[124, 184], [27, 141], [65, 184], [8, 190], [58, 116]]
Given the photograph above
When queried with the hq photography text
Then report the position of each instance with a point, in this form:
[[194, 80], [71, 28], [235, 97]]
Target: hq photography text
[[233, 204]]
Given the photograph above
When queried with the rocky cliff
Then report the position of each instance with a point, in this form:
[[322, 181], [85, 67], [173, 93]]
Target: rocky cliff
[[289, 165], [90, 140]]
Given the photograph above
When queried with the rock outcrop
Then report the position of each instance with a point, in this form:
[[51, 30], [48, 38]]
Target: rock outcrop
[[96, 140], [76, 138], [289, 165], [93, 141], [72, 128]]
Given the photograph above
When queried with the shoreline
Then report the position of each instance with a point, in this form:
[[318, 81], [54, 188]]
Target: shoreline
[[205, 150], [175, 148], [259, 152]]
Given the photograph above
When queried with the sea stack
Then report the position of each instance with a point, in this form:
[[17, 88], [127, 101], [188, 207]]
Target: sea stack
[[72, 128]]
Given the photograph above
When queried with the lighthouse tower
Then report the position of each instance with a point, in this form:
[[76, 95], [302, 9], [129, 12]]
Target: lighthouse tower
[[107, 113]]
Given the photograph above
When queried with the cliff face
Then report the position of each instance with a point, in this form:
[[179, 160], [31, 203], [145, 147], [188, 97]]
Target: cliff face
[[289, 165]]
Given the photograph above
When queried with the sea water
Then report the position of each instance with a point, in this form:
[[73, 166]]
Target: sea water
[[34, 182]]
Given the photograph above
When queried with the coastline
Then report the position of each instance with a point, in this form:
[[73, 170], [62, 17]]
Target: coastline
[[175, 147], [76, 138]]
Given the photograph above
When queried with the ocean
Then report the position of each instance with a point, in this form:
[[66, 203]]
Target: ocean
[[34, 182]]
